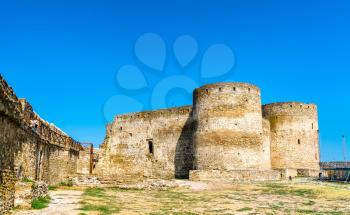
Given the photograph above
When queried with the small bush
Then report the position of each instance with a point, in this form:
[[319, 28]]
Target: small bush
[[41, 202]]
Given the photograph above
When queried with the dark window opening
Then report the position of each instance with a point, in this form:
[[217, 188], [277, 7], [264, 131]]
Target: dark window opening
[[234, 89], [130, 134], [299, 141], [121, 128], [150, 147], [207, 90], [220, 89], [312, 126], [249, 89]]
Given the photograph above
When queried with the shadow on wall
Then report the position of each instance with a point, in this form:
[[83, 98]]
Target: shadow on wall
[[184, 152]]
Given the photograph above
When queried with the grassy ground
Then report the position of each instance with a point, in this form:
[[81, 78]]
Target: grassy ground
[[41, 202], [243, 198]]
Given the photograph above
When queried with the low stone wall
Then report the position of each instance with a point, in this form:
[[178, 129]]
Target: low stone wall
[[235, 175]]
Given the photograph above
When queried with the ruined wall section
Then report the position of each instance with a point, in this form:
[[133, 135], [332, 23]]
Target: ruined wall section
[[294, 136], [154, 144], [83, 163], [229, 135]]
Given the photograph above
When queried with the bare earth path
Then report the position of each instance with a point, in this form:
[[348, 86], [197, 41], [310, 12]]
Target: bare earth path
[[64, 202]]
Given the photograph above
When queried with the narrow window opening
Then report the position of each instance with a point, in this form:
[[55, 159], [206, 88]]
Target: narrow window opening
[[299, 141], [312, 126], [121, 128], [207, 90], [291, 105], [130, 134], [150, 147], [220, 89], [248, 89], [234, 89]]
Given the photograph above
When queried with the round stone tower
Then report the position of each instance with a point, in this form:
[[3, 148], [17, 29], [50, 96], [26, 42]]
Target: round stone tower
[[294, 136], [229, 131]]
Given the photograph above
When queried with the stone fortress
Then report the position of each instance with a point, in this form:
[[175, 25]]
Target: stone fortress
[[226, 134]]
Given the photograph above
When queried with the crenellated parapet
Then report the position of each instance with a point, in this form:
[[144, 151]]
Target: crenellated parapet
[[20, 111]]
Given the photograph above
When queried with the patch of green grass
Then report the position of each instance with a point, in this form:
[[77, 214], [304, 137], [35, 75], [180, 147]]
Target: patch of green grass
[[124, 189], [52, 187], [67, 183], [95, 192], [280, 189], [302, 192], [309, 203], [27, 180], [245, 209], [41, 202], [306, 211], [274, 185], [185, 213], [102, 209]]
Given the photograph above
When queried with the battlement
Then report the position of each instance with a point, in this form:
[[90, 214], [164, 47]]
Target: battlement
[[22, 112], [228, 87], [289, 108], [147, 115]]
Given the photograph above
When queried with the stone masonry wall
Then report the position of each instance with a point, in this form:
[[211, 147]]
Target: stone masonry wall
[[27, 151], [83, 163], [229, 135], [155, 144], [294, 135]]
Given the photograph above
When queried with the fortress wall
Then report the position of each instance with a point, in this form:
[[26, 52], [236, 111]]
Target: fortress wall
[[229, 135], [83, 163], [155, 144], [294, 136], [25, 152]]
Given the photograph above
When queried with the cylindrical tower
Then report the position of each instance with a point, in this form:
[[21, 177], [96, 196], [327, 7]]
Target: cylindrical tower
[[294, 135], [229, 132]]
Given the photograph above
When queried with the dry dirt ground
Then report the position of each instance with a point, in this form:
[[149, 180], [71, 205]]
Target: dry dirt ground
[[63, 202], [296, 197]]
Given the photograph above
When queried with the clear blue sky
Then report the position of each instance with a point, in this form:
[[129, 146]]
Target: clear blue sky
[[63, 55]]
